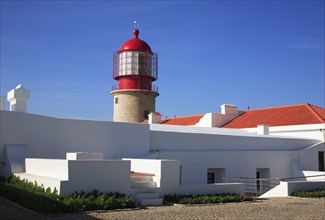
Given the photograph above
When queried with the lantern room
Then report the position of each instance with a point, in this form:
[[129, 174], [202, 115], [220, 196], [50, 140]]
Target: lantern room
[[135, 65]]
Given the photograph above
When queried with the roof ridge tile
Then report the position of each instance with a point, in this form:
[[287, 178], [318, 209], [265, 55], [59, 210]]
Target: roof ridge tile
[[309, 106], [275, 107]]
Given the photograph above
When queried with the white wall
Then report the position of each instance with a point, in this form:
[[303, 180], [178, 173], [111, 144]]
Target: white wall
[[53, 168], [314, 176], [313, 131], [12, 159], [236, 163], [47, 182], [103, 175], [285, 189], [179, 138], [167, 175], [238, 152], [308, 158], [49, 137], [69, 176], [217, 188]]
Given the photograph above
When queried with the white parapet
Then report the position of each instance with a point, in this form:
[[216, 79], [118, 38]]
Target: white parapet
[[227, 109], [18, 98], [154, 118], [228, 113], [263, 129], [84, 156]]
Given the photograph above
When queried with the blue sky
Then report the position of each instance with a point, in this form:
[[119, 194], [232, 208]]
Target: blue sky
[[247, 53]]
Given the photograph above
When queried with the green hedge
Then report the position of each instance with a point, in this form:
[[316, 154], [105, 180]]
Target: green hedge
[[318, 193], [205, 199], [35, 197]]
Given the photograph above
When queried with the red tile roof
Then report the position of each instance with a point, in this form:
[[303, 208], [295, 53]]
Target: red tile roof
[[183, 120], [279, 116]]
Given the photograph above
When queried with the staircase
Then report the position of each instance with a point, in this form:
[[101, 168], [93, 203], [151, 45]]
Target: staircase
[[146, 191]]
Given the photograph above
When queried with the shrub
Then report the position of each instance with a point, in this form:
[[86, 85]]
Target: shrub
[[205, 199], [310, 194], [35, 197]]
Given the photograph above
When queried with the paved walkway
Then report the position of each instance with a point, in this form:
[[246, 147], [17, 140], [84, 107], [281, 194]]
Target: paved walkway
[[279, 208]]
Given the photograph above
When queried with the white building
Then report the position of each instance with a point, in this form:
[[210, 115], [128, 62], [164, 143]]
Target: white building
[[186, 155], [182, 159]]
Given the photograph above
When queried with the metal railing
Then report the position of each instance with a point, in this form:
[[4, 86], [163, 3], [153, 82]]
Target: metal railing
[[262, 185], [254, 186], [153, 88]]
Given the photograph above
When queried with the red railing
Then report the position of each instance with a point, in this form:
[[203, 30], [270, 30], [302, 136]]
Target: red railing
[[153, 88]]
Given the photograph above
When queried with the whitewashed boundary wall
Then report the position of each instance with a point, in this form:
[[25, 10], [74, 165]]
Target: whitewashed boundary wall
[[48, 137]]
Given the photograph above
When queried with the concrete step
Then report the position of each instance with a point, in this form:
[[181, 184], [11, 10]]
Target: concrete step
[[150, 184], [142, 196], [140, 179], [145, 190], [151, 202]]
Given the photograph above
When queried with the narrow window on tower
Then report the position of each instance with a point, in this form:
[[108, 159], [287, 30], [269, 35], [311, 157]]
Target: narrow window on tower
[[116, 100], [145, 114]]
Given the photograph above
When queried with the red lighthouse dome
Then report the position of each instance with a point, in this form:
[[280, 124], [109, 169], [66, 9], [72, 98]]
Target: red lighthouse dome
[[135, 65], [135, 44]]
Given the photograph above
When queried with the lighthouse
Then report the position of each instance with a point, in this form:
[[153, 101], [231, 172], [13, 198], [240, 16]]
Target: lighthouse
[[135, 67]]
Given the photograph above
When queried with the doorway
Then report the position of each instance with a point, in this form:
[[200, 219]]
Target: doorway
[[321, 161], [262, 186]]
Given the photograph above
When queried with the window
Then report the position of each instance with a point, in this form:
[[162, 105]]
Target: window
[[216, 175], [116, 100], [145, 114]]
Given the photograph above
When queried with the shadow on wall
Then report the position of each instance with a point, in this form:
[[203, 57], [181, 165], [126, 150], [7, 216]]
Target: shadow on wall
[[13, 159]]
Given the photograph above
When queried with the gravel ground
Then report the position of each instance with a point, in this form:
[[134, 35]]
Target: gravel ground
[[277, 208]]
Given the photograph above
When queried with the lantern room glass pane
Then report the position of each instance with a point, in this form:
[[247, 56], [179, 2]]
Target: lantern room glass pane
[[135, 63]]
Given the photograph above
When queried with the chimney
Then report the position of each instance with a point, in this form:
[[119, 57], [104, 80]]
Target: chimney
[[154, 118], [18, 98], [263, 129], [227, 109]]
